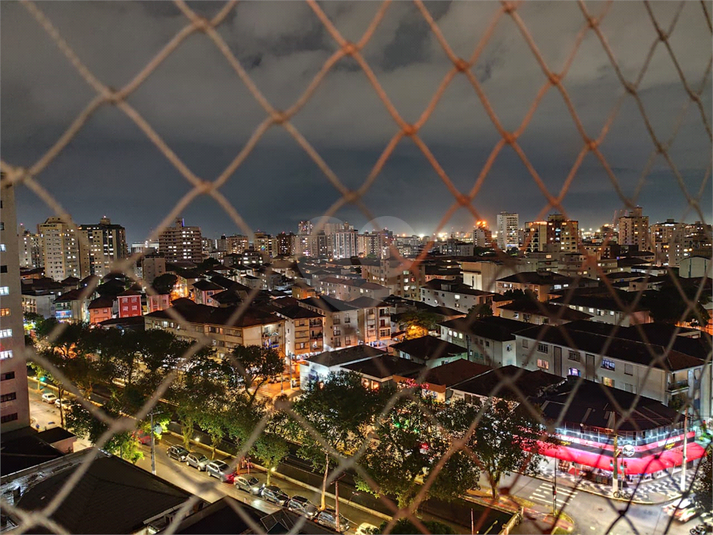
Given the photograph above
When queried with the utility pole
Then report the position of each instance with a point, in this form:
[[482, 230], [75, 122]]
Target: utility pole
[[554, 491], [615, 473], [685, 445], [336, 502], [153, 447]]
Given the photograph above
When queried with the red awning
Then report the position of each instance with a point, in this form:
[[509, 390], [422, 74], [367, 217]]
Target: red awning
[[632, 465]]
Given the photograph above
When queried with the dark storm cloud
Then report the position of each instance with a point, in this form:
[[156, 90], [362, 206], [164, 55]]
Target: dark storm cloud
[[199, 106]]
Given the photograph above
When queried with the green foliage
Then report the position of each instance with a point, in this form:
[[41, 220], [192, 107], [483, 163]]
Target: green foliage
[[405, 526], [85, 425], [408, 446], [254, 366], [163, 284], [669, 304], [480, 311], [271, 450], [341, 411], [504, 440]]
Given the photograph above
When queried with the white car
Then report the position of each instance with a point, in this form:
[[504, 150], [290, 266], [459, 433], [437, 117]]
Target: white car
[[365, 528], [48, 397], [65, 403]]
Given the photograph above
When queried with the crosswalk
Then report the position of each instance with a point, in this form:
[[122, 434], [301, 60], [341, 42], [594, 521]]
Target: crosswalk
[[543, 495]]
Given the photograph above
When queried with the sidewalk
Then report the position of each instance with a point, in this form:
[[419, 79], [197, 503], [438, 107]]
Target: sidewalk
[[523, 507], [652, 492]]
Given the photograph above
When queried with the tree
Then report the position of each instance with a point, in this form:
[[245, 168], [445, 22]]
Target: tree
[[214, 421], [483, 310], [271, 450], [341, 410], [163, 284], [505, 440], [199, 388], [703, 483], [84, 424], [418, 323], [254, 366], [407, 448]]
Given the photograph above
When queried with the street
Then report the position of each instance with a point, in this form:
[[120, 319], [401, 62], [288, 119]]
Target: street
[[592, 514]]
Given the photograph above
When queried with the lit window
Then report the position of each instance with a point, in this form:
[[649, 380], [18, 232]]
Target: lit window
[[574, 371], [4, 290], [4, 311], [608, 364], [6, 354], [5, 333], [543, 364], [607, 381]]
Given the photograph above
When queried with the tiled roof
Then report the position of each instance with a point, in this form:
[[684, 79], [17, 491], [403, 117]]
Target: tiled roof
[[454, 372], [204, 314], [386, 366], [530, 383], [327, 303]]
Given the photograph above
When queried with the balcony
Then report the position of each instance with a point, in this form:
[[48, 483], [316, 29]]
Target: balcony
[[677, 386]]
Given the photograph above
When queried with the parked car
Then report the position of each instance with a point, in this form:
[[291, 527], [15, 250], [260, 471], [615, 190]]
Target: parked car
[[302, 506], [143, 437], [250, 484], [197, 460], [178, 453], [365, 528], [328, 518], [49, 397], [273, 494], [66, 404], [220, 470]]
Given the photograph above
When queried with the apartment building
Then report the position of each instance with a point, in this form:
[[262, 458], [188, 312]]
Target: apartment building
[[30, 249], [60, 249], [103, 245], [152, 266], [541, 283], [557, 234], [634, 229], [605, 309], [453, 294], [489, 341], [14, 404], [622, 360], [181, 243], [668, 243], [508, 225], [304, 331], [401, 279], [483, 274], [341, 321], [374, 321], [252, 327], [237, 244], [349, 289], [129, 303]]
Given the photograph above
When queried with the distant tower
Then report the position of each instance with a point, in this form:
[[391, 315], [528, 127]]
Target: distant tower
[[508, 224], [634, 229]]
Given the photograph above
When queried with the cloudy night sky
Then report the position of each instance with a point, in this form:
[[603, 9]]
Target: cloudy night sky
[[199, 106]]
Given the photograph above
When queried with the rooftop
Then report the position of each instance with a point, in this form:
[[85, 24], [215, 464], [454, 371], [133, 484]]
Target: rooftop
[[367, 302], [454, 372], [609, 343], [328, 304], [591, 405], [428, 347], [204, 314], [530, 383], [537, 277], [113, 496], [493, 327], [205, 286], [385, 366], [347, 355], [527, 306]]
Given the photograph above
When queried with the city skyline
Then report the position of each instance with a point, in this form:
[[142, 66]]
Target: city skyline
[[210, 115]]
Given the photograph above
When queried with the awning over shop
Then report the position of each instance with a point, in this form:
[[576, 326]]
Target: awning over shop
[[632, 465]]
